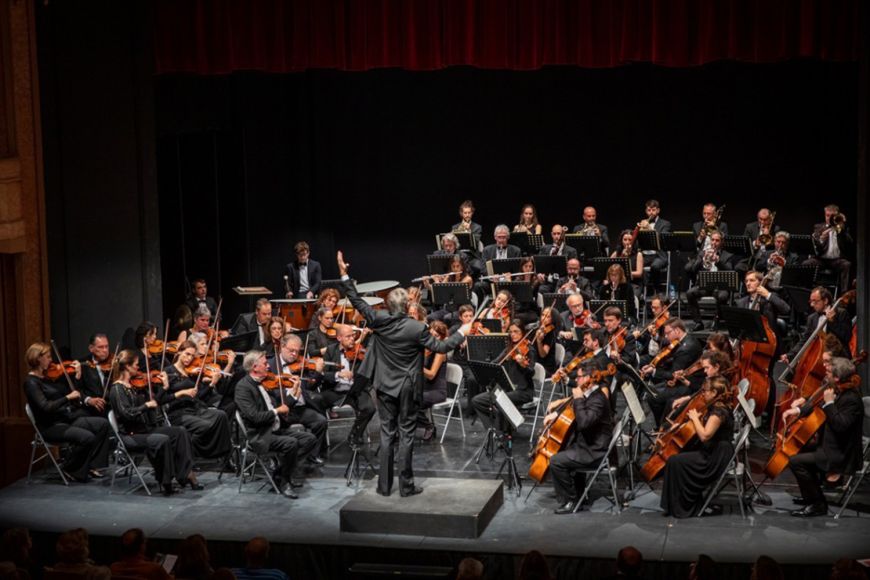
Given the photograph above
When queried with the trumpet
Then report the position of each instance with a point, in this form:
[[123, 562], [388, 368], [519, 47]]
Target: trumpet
[[709, 258], [644, 225], [838, 222], [590, 229]]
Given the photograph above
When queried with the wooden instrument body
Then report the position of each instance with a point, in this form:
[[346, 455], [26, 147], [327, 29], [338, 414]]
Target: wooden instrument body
[[755, 359], [674, 440], [791, 441], [552, 441]]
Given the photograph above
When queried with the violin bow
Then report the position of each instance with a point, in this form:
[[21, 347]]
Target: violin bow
[[165, 340], [111, 371], [63, 368], [280, 370]]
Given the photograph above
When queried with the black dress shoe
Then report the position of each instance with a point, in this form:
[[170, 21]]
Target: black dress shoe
[[812, 510], [195, 485], [295, 484], [288, 492], [566, 508], [429, 433], [167, 489], [411, 491], [801, 501]]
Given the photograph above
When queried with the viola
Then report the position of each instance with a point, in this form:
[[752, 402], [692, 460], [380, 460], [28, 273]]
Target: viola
[[664, 353], [521, 354], [140, 380], [57, 370], [357, 353], [331, 332], [223, 356], [478, 328], [104, 366]]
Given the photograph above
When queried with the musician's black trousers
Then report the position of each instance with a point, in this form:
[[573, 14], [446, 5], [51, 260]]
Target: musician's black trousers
[[807, 473]]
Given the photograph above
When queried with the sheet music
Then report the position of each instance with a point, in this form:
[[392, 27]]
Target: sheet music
[[633, 403], [508, 408]]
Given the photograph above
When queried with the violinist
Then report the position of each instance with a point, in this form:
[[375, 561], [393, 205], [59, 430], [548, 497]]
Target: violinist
[[501, 309], [306, 404], [527, 311], [762, 300], [96, 372], [834, 321], [719, 341], [168, 447], [262, 419], [576, 317], [594, 341], [145, 337], [619, 344], [528, 221], [343, 383], [194, 402], [657, 261], [711, 259], [329, 298], [833, 245], [63, 417], [573, 282], [709, 223], [277, 328], [689, 473], [545, 338], [256, 321], [435, 384], [650, 340], [460, 357], [199, 297], [519, 361], [616, 287], [201, 324], [839, 449], [713, 363], [302, 277], [593, 428], [627, 248], [681, 351], [321, 337], [590, 227]]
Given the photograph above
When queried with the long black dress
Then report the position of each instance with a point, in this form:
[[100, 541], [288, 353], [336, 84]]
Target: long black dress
[[209, 428], [688, 474]]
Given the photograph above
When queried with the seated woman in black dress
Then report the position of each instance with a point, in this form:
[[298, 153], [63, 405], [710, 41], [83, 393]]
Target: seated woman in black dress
[[146, 335], [275, 331], [627, 249], [193, 406], [63, 416], [435, 385], [545, 339], [458, 273], [168, 448], [689, 473], [323, 334], [616, 287], [527, 311]]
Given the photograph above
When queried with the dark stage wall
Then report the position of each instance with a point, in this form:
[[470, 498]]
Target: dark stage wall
[[376, 163]]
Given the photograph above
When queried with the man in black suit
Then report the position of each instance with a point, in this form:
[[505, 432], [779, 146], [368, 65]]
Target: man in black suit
[[776, 257], [199, 296], [302, 277], [591, 227], [394, 366], [839, 450], [557, 248], [343, 383], [687, 351], [466, 214], [501, 249], [593, 427], [656, 261], [573, 282], [712, 259], [761, 299], [257, 321], [834, 321], [833, 247], [95, 381], [753, 230], [263, 422], [709, 221]]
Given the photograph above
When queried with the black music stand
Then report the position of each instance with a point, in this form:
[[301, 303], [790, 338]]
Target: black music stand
[[551, 265], [742, 323], [451, 293], [559, 298], [487, 347], [438, 263], [648, 240], [241, 342], [722, 280], [503, 266], [798, 275], [798, 298], [740, 245], [684, 242], [494, 377], [602, 305], [466, 240], [528, 243], [802, 244], [601, 265], [587, 247], [520, 291]]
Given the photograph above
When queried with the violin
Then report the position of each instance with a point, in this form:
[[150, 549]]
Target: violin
[[104, 366], [209, 371], [331, 332], [310, 365], [521, 354], [57, 370], [568, 368], [664, 353], [223, 356], [478, 328], [273, 381], [156, 347], [357, 353], [140, 380]]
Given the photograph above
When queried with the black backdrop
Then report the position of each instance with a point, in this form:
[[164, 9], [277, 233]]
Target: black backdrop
[[376, 163]]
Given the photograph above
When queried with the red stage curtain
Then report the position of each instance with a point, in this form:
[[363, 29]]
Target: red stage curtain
[[278, 36]]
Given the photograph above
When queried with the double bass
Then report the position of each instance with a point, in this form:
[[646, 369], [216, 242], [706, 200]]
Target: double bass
[[554, 438], [754, 364]]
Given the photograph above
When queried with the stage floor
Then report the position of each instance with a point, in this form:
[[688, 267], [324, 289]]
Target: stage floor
[[221, 513]]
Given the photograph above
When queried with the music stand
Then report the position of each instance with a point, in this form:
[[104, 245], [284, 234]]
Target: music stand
[[601, 265], [451, 293], [798, 299], [587, 247], [466, 240], [528, 243], [560, 299], [520, 291], [495, 379], [798, 275], [551, 265], [503, 266], [684, 242], [802, 244], [241, 343], [487, 347], [439, 263], [722, 280], [742, 323], [648, 240], [602, 305], [740, 245]]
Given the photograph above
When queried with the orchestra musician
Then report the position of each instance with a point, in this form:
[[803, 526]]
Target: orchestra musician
[[328, 298], [656, 261], [772, 261], [95, 373], [709, 223], [520, 369], [527, 311], [168, 447], [833, 321], [435, 384], [619, 344], [686, 350], [576, 316], [276, 328], [501, 309], [466, 225], [616, 287], [323, 335], [714, 363], [501, 248], [689, 473], [528, 221], [558, 247], [590, 227], [393, 365], [594, 341], [651, 339], [303, 276], [256, 321], [342, 384], [593, 428], [839, 449], [834, 245], [145, 335], [627, 248], [193, 406], [418, 312], [458, 273], [460, 357], [762, 226], [573, 281], [545, 338], [62, 416], [199, 297], [262, 421], [762, 300], [710, 259], [449, 246], [201, 324]]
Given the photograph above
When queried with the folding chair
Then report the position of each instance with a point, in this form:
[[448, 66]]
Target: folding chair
[[735, 468], [855, 480], [121, 454], [39, 441], [454, 377], [606, 465], [538, 383], [256, 459]]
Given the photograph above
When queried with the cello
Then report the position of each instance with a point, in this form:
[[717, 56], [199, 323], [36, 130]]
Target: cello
[[554, 437]]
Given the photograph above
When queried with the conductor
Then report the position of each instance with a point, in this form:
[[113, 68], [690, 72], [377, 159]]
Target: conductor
[[394, 366]]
